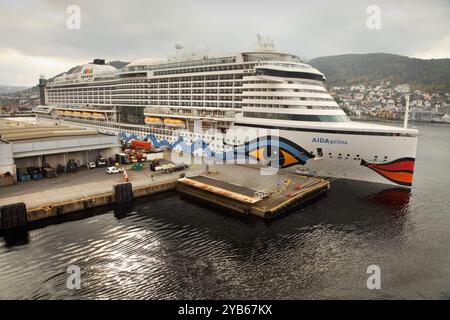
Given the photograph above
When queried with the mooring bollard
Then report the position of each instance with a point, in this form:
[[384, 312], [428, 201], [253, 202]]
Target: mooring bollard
[[13, 216], [123, 192]]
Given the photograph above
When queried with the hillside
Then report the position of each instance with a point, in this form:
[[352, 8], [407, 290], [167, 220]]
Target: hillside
[[430, 75], [11, 89]]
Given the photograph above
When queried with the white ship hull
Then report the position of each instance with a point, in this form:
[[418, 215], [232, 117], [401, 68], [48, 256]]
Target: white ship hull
[[364, 157], [359, 148]]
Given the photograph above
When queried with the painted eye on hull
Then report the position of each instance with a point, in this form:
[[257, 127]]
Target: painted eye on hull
[[271, 156], [272, 151], [274, 156]]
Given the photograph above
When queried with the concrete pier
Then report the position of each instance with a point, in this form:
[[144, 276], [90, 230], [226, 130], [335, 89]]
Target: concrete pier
[[71, 192], [241, 189], [103, 199]]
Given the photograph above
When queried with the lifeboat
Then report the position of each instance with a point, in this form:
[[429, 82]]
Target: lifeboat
[[174, 123], [86, 114], [67, 113], [76, 113], [153, 120], [59, 112], [98, 115]]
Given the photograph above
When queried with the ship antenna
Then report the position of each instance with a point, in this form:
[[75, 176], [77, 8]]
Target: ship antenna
[[178, 47], [405, 121], [264, 44]]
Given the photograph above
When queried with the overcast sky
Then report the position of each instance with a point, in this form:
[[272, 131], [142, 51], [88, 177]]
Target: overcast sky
[[34, 38]]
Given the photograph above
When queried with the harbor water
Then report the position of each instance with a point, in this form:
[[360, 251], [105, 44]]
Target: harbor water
[[169, 247]]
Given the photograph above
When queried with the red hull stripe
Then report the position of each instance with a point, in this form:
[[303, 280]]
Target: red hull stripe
[[399, 171], [403, 178], [398, 166]]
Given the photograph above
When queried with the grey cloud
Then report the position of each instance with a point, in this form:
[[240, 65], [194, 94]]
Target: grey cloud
[[134, 29]]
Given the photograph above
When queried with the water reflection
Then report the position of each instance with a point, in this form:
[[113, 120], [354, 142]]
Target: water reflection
[[16, 237], [166, 247], [122, 210], [395, 199]]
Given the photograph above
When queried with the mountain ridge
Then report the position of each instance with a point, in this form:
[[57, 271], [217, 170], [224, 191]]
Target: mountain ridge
[[371, 68], [5, 89]]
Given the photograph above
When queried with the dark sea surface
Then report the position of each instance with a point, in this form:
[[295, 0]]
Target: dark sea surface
[[168, 247]]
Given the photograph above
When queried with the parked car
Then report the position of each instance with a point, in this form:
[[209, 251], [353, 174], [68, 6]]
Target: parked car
[[91, 165], [22, 175], [111, 170], [35, 173], [60, 168], [71, 166], [101, 162]]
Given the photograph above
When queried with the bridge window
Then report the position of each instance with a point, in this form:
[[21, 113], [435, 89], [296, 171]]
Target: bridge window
[[297, 117]]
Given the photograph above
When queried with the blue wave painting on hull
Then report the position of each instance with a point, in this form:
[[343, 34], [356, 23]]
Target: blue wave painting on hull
[[270, 150], [163, 143]]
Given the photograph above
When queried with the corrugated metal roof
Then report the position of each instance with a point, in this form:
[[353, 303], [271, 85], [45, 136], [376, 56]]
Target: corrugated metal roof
[[16, 131]]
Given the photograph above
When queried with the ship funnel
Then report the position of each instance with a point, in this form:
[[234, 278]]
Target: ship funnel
[[99, 61]]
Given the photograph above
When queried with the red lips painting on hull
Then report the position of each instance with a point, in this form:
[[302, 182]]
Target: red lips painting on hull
[[399, 171]]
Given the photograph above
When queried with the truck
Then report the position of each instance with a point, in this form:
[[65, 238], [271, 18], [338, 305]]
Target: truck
[[49, 172], [169, 168], [122, 158], [180, 166], [165, 168], [153, 164], [155, 156], [138, 144]]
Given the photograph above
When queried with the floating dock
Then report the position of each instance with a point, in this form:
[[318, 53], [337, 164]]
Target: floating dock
[[291, 191]]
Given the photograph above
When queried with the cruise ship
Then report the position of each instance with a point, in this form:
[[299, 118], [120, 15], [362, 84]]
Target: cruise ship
[[262, 107]]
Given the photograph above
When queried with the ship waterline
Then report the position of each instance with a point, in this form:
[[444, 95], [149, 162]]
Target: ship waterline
[[264, 106]]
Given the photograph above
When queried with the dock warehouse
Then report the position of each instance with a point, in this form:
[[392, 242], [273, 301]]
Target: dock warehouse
[[35, 146]]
